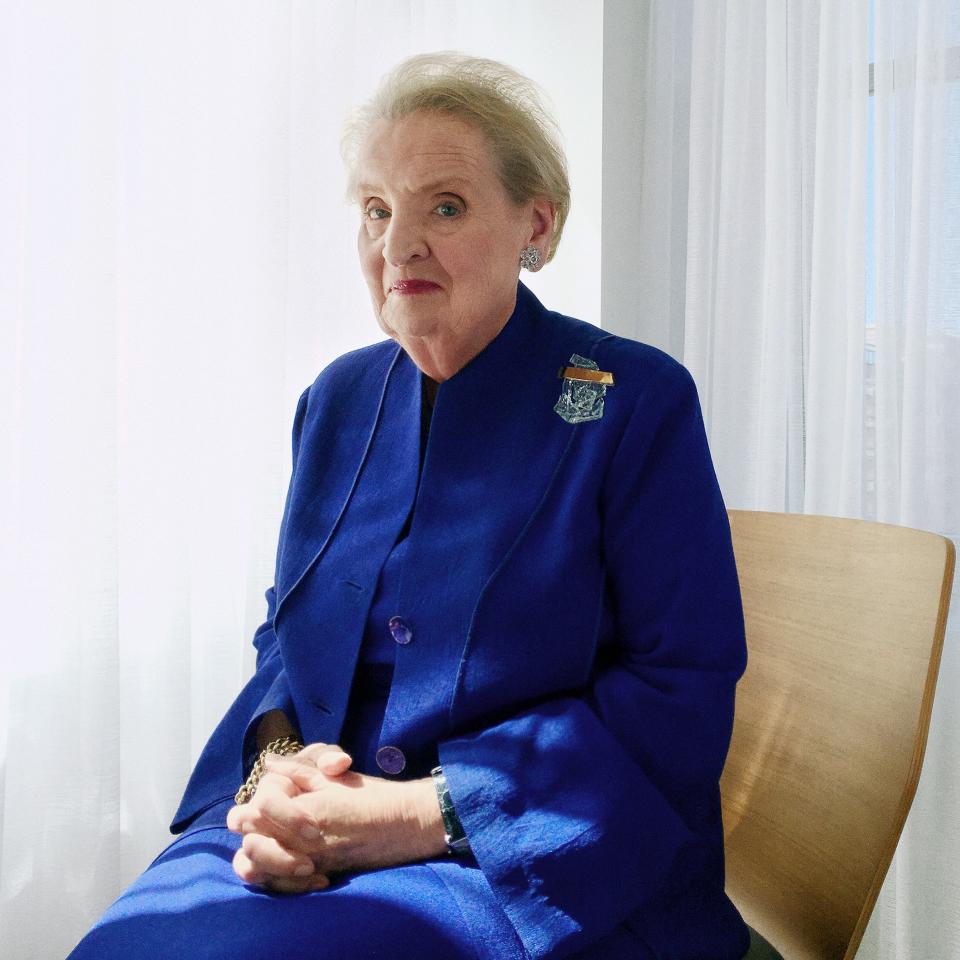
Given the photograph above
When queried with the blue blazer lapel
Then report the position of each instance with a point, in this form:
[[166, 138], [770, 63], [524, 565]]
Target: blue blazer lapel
[[350, 499], [337, 440]]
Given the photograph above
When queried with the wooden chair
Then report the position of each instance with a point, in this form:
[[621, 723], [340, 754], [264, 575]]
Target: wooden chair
[[845, 622]]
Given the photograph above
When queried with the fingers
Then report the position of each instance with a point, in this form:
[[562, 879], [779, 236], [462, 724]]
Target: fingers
[[329, 758], [271, 811], [303, 775], [273, 814], [276, 815], [249, 872], [287, 885], [269, 781], [310, 769], [267, 857]]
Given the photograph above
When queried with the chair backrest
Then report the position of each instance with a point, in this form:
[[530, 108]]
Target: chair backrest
[[845, 622]]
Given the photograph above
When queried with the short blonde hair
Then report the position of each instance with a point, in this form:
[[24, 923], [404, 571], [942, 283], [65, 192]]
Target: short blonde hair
[[502, 103]]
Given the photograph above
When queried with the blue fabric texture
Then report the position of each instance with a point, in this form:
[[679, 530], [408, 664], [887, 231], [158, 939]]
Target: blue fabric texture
[[576, 639], [190, 904], [360, 735]]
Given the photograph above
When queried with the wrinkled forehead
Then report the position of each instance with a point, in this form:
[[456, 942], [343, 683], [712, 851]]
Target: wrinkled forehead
[[422, 152]]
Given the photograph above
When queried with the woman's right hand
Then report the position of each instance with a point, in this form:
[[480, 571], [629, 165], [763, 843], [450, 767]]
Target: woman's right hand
[[265, 860]]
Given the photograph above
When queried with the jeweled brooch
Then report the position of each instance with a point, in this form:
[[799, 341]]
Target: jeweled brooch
[[584, 386]]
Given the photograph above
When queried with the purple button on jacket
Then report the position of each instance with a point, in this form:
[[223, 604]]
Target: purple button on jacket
[[390, 759]]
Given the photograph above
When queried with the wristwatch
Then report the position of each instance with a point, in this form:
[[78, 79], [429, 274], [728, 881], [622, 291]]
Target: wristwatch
[[455, 835]]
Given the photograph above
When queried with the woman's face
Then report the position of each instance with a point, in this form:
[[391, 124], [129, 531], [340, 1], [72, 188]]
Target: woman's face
[[432, 208]]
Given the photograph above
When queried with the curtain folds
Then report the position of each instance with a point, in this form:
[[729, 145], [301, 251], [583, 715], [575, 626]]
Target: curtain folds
[[799, 177]]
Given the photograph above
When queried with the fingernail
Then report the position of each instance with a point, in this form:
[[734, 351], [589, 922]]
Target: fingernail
[[309, 833], [304, 870]]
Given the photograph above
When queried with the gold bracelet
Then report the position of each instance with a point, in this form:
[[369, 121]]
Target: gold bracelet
[[283, 746]]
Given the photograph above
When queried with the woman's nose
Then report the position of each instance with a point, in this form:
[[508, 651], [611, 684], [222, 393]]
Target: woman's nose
[[404, 241]]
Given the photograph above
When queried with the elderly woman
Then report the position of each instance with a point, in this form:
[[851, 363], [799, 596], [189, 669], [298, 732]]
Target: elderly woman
[[494, 689]]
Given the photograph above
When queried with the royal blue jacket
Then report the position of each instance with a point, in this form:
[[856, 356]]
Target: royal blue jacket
[[576, 616]]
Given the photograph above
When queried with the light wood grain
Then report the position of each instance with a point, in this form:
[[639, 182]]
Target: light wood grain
[[845, 622]]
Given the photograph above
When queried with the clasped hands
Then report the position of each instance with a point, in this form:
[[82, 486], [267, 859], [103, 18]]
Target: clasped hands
[[312, 816]]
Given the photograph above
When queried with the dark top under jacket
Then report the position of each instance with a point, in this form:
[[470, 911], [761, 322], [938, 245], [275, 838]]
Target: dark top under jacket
[[575, 629]]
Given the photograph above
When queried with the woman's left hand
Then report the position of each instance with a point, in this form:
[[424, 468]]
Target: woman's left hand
[[346, 821]]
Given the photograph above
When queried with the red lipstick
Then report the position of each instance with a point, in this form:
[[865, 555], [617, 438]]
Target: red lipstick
[[414, 286]]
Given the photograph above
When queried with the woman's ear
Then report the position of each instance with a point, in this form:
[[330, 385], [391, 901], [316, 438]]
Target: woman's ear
[[542, 220]]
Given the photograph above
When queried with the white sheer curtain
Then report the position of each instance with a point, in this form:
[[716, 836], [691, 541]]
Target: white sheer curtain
[[176, 265], [798, 225]]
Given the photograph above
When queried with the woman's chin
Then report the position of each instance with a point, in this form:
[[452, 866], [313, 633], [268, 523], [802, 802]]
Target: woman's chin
[[408, 323]]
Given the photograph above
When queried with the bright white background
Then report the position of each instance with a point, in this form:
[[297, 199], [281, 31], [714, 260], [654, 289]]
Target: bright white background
[[177, 264]]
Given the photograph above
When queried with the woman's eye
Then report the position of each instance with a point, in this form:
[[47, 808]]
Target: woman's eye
[[447, 211]]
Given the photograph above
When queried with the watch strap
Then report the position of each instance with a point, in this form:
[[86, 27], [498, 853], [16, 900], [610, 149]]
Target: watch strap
[[455, 835]]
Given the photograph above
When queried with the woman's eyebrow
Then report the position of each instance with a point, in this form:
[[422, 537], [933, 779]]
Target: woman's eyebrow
[[445, 182]]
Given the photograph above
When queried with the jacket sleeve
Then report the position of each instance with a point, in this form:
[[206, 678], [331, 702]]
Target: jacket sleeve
[[583, 809], [229, 753]]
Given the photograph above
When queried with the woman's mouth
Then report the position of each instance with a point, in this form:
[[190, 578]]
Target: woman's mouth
[[414, 286]]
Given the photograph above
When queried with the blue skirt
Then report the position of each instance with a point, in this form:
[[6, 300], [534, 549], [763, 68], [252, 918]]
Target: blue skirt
[[189, 903]]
